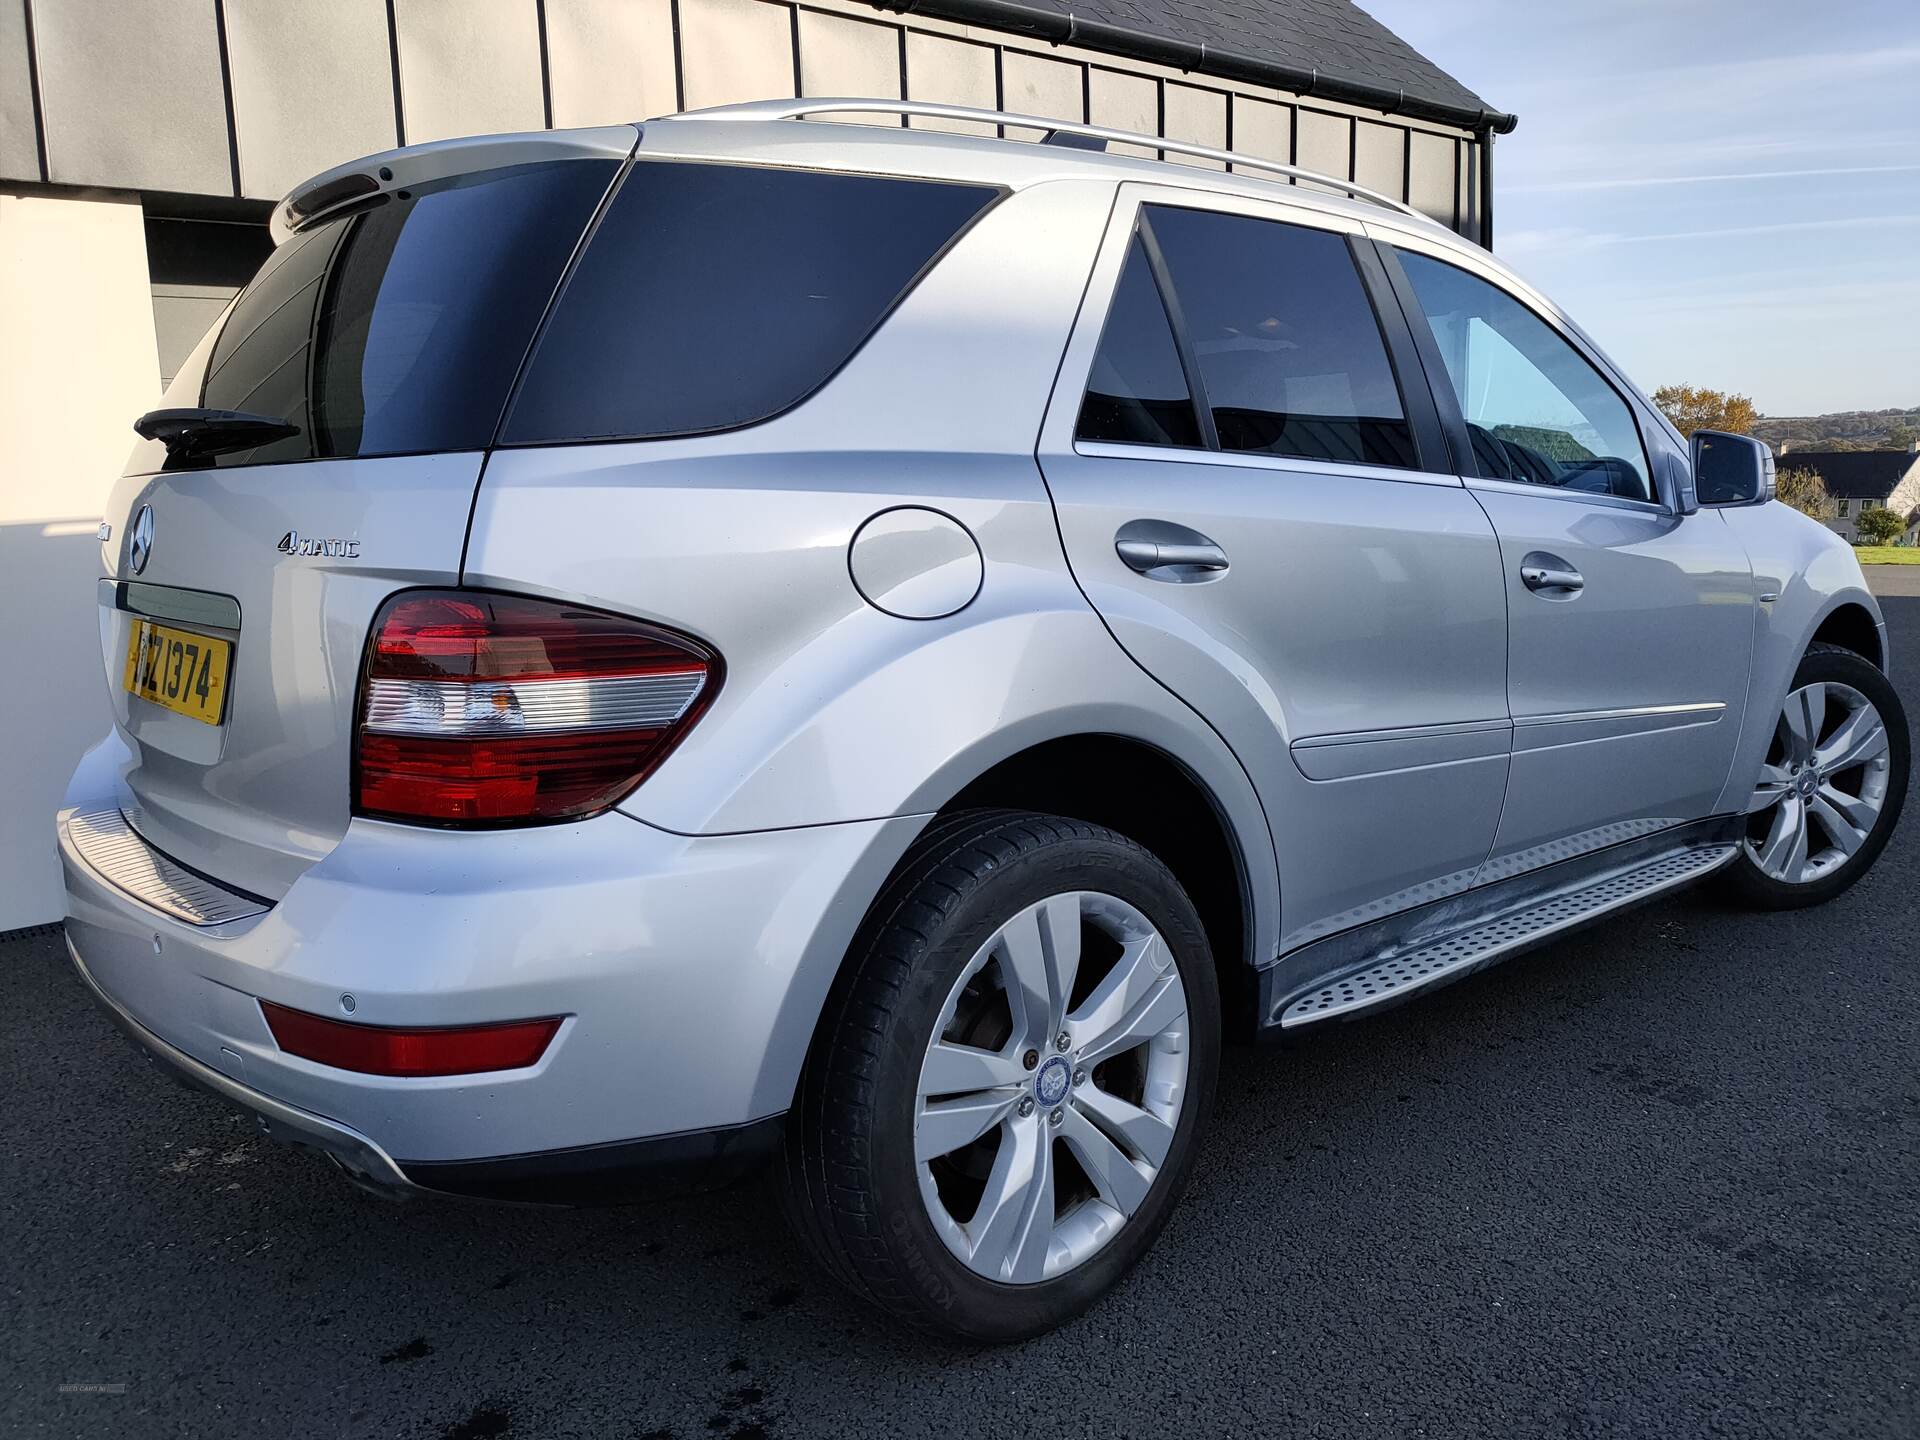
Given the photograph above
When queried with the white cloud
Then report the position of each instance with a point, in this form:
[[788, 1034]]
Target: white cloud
[[1631, 182], [1838, 222], [1570, 239], [1549, 240]]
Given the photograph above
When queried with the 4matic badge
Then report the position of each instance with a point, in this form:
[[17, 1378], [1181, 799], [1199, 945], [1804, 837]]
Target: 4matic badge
[[294, 543]]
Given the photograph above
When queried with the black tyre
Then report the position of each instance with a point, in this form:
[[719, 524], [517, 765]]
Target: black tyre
[[1010, 1079], [1832, 787]]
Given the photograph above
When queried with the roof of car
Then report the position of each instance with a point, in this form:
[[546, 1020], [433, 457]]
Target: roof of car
[[1854, 474], [757, 132], [942, 142], [764, 131]]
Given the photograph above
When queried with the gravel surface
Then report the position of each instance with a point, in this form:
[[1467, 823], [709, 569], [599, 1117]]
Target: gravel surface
[[1659, 1179]]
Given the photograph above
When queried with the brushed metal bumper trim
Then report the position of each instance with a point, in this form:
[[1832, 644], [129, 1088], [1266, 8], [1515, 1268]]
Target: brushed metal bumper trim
[[114, 850]]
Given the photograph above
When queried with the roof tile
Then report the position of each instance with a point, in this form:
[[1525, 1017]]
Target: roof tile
[[1334, 36]]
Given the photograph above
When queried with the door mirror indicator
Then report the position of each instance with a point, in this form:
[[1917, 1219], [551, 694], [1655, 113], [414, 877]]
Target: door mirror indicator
[[1731, 469]]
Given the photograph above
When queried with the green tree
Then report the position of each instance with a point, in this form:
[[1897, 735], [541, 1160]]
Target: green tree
[[1900, 436], [1692, 409], [1879, 526], [1805, 491]]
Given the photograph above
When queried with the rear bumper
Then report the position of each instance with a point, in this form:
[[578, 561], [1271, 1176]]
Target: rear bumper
[[355, 1153], [690, 971], [583, 1176]]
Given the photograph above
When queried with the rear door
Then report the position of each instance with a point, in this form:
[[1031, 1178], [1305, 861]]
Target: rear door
[[389, 338], [1631, 626], [1254, 493]]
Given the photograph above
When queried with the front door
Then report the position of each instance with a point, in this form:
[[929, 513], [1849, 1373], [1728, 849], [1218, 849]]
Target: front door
[[1631, 626], [1252, 490]]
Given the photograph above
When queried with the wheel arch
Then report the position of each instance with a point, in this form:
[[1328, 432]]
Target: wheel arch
[[1851, 626], [1161, 805], [1062, 774], [1811, 610]]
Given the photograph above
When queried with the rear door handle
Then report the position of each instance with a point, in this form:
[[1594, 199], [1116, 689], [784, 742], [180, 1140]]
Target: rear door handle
[[1144, 555], [1162, 550], [1550, 575]]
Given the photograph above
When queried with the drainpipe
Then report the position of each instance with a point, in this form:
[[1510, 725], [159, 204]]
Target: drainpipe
[[1486, 186]]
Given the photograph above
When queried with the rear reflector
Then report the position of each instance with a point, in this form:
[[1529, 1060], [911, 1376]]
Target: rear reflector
[[481, 709], [377, 1050]]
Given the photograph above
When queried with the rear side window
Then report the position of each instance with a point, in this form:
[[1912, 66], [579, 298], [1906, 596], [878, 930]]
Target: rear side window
[[1137, 393], [1289, 351], [398, 329], [1536, 410], [713, 296]]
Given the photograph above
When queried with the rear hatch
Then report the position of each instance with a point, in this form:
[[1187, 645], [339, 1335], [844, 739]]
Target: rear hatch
[[387, 332]]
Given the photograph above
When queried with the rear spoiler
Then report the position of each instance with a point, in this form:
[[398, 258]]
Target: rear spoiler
[[366, 182]]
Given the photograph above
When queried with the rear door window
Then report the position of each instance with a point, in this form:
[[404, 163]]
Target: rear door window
[[1137, 393], [1290, 353], [398, 329], [713, 296]]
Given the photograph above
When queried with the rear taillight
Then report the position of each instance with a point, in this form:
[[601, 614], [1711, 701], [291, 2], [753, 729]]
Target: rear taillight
[[480, 709], [379, 1050]]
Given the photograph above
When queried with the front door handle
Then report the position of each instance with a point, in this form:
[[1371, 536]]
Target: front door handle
[[1550, 576], [1161, 550]]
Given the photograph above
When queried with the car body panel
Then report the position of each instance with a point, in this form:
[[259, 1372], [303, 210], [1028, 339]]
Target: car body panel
[[1627, 695], [257, 799], [1811, 572], [831, 709], [1360, 603], [691, 972]]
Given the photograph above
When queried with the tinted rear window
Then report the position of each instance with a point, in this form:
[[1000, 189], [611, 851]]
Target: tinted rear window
[[1137, 393], [398, 329], [1290, 354], [713, 296]]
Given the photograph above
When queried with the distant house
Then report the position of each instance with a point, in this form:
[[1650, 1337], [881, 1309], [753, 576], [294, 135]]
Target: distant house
[[1862, 480]]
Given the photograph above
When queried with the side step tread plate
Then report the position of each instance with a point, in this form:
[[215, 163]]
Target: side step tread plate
[[1430, 963]]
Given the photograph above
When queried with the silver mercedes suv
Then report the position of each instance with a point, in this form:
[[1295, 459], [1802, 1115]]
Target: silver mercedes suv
[[636, 652]]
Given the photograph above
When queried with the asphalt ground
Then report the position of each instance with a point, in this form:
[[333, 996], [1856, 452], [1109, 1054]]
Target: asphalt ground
[[1661, 1179]]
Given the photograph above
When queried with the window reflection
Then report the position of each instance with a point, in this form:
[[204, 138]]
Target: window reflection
[[1536, 410]]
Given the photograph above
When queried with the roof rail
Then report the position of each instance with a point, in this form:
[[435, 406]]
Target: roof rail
[[801, 109]]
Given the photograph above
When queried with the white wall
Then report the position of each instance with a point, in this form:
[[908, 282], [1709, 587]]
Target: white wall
[[77, 366]]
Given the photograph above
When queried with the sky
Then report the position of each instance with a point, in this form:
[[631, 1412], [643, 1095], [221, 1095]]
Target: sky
[[1724, 193]]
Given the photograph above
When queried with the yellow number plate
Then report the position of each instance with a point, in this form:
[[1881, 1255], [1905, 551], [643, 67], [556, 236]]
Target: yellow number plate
[[183, 672]]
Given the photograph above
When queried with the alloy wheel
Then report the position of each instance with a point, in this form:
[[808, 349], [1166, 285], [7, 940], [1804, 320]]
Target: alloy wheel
[[1051, 1088], [1823, 786]]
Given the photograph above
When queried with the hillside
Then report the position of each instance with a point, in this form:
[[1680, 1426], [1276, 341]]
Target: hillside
[[1844, 430]]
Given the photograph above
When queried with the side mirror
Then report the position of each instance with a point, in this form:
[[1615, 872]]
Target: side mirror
[[1731, 469]]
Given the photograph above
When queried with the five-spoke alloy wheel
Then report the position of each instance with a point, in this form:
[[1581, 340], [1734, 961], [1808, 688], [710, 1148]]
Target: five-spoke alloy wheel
[[1832, 785], [1820, 796], [1010, 1079], [1035, 1152]]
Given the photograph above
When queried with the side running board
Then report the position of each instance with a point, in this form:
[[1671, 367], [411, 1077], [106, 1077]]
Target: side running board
[[1400, 971]]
